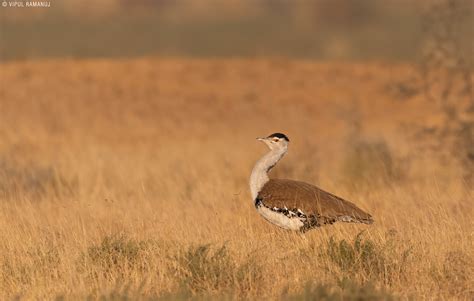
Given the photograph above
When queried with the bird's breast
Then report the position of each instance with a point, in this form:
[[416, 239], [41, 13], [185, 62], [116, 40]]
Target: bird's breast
[[280, 219]]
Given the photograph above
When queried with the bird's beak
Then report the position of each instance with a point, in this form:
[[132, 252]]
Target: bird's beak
[[260, 138]]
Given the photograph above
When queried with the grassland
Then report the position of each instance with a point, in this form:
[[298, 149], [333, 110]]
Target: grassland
[[128, 179]]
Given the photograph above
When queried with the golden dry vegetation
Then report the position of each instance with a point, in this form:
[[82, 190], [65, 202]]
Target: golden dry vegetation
[[129, 179]]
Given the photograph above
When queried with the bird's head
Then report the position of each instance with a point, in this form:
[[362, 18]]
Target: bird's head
[[276, 141]]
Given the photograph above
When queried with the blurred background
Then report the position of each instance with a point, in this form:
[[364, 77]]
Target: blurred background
[[420, 50], [320, 29]]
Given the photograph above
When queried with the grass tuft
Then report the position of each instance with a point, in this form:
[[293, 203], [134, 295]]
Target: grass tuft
[[380, 262], [117, 256], [456, 274], [211, 269], [347, 291]]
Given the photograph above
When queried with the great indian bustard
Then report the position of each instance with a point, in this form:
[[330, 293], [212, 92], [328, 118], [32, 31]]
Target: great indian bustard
[[296, 205]]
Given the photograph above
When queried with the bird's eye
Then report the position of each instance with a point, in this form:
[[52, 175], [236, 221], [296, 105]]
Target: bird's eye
[[275, 139]]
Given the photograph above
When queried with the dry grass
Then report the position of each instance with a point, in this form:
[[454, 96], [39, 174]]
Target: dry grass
[[128, 179]]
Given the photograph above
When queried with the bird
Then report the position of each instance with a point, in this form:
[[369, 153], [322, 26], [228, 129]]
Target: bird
[[296, 205]]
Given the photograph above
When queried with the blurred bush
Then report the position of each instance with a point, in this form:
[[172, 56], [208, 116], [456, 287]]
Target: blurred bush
[[370, 162], [33, 182]]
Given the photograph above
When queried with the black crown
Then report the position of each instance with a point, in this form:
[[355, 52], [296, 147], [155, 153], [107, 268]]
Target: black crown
[[279, 135]]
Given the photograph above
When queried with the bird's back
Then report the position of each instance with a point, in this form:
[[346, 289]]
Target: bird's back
[[311, 201]]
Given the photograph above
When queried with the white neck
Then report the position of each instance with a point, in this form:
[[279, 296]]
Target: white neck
[[259, 175]]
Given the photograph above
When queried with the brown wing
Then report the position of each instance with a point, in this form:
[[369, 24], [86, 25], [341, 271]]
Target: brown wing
[[311, 200]]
